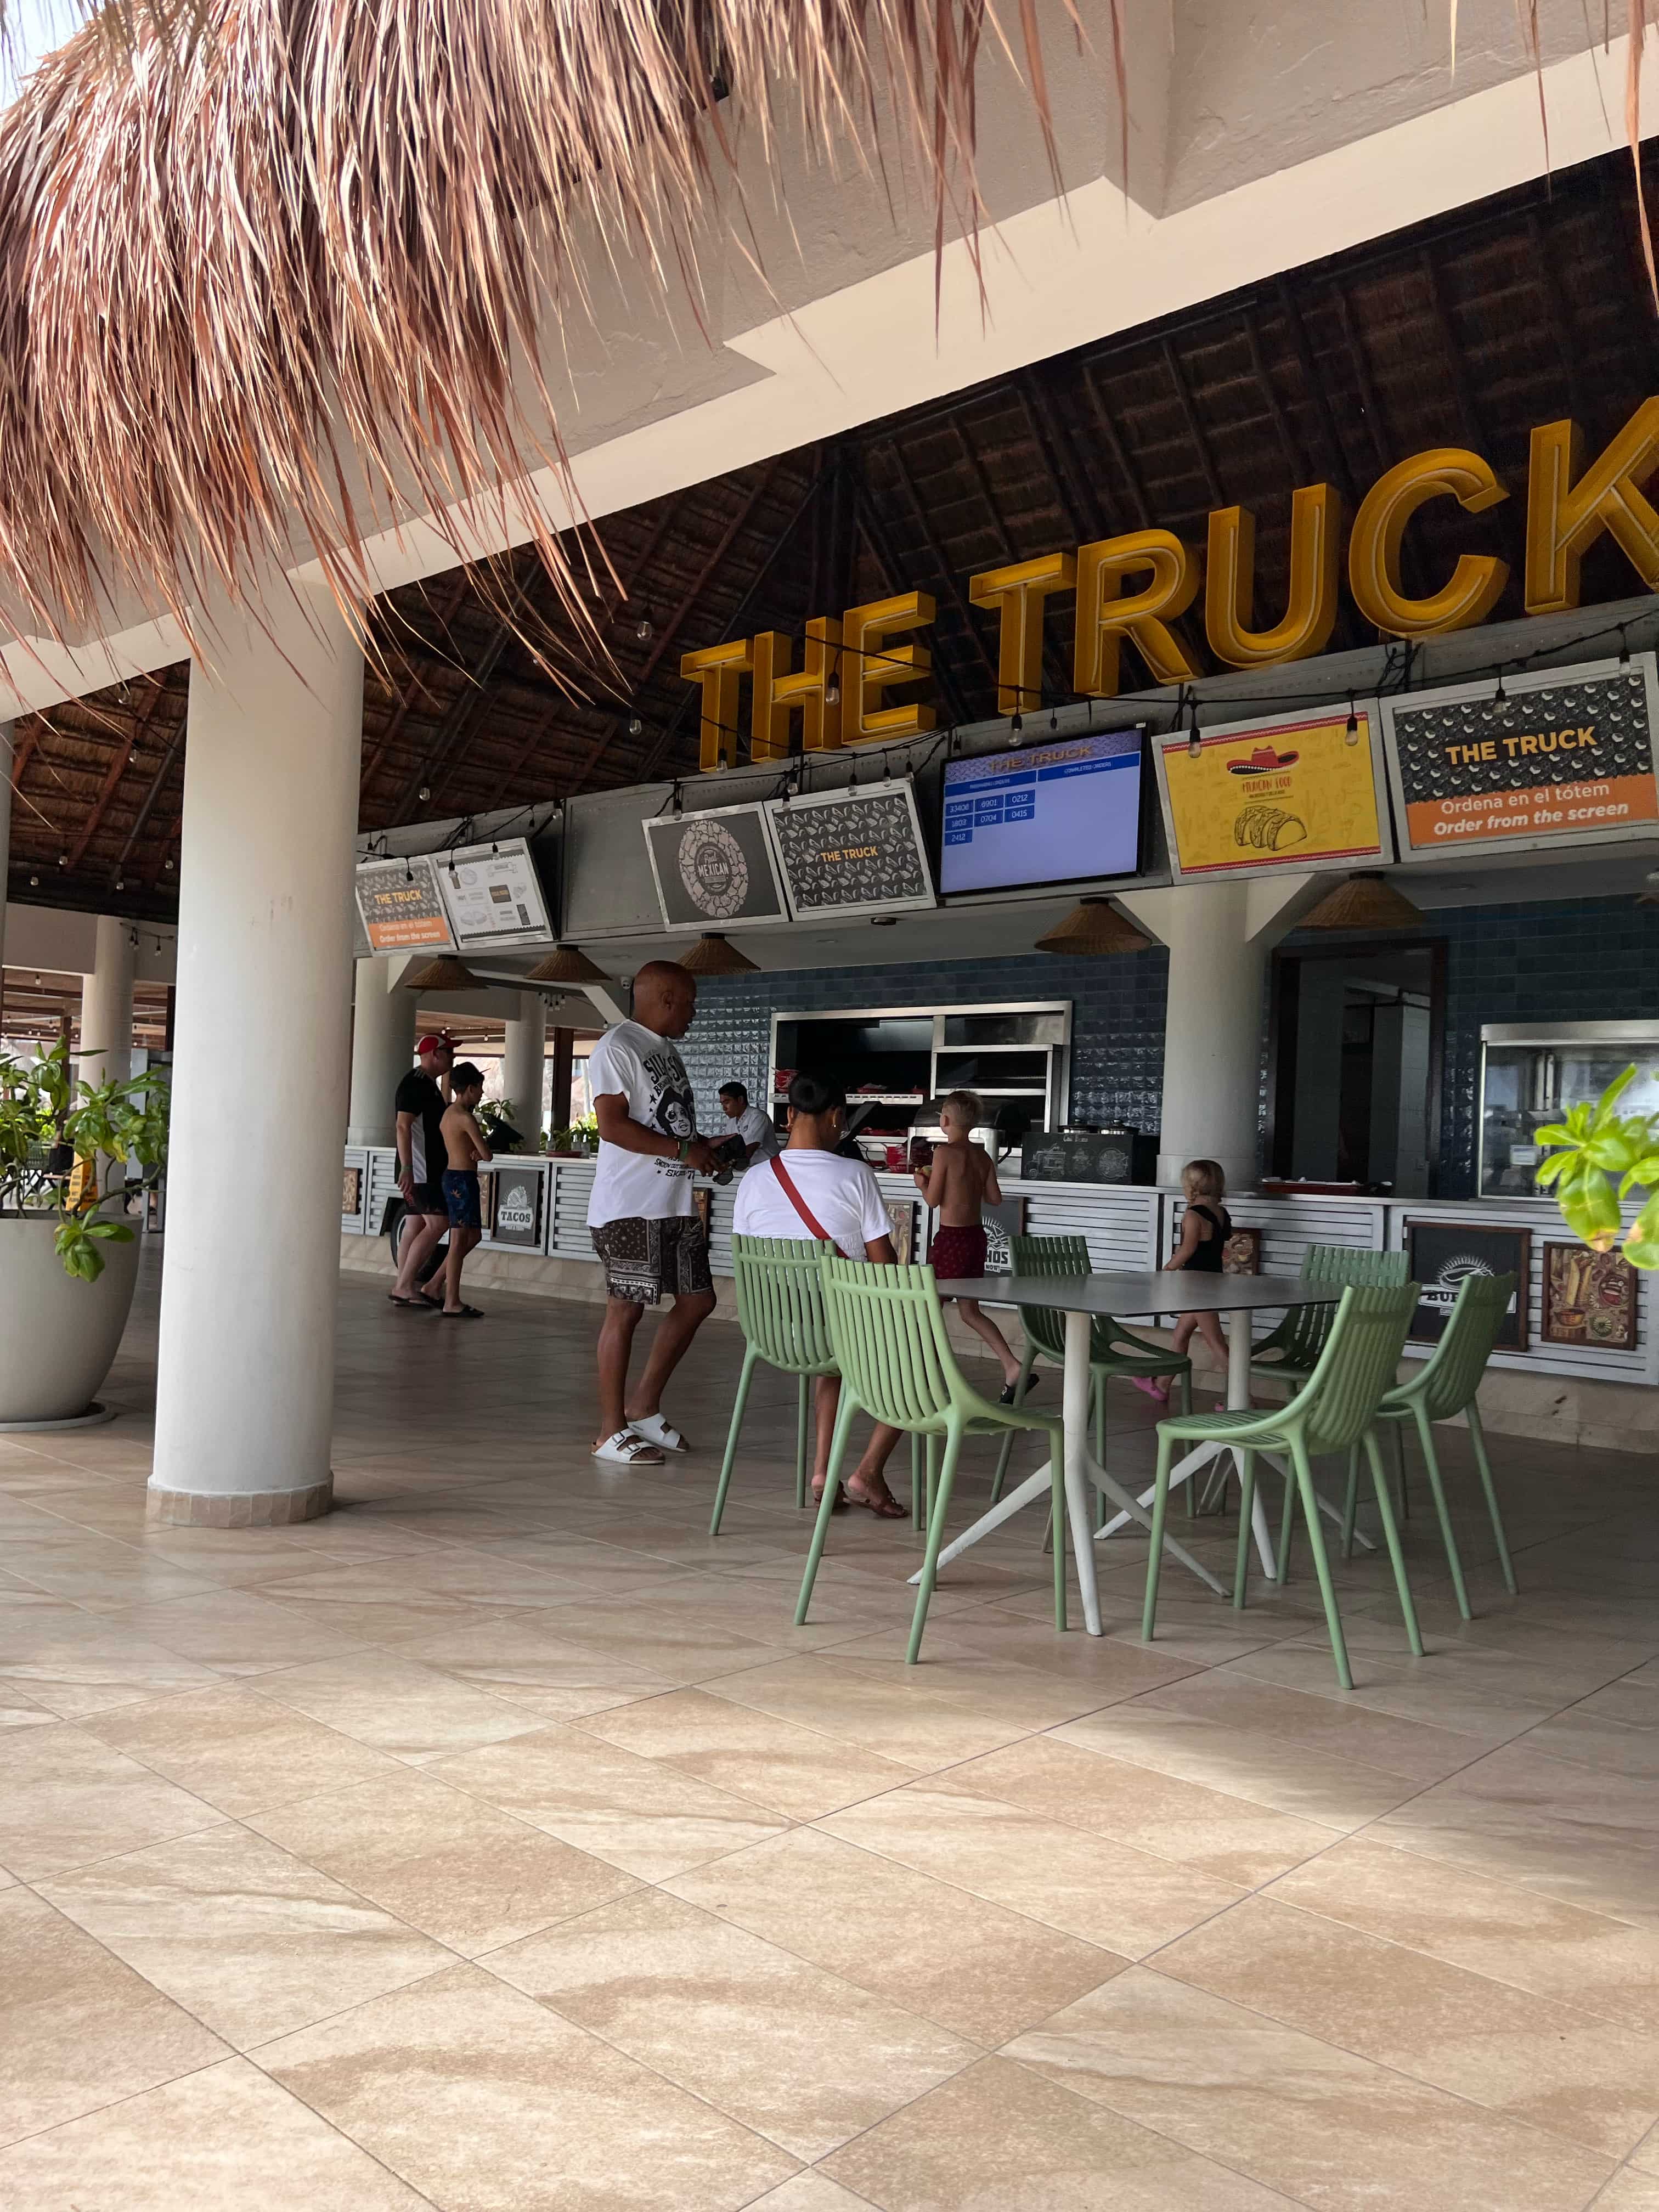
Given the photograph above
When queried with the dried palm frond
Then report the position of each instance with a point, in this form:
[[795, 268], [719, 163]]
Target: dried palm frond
[[276, 275]]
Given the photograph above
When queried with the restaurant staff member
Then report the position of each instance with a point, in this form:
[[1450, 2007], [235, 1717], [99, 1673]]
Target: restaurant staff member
[[752, 1126]]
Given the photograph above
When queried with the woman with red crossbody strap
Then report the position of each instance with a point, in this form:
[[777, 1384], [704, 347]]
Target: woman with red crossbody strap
[[809, 1190]]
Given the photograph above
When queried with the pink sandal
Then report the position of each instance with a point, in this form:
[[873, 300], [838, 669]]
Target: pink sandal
[[1144, 1382]]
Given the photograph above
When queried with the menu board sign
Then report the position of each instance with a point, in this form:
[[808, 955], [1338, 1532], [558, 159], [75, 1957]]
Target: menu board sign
[[401, 907], [515, 1213], [715, 869], [851, 852], [1561, 757], [1274, 797], [492, 893]]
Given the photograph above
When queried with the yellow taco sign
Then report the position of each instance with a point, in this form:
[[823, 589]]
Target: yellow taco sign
[[1259, 796]]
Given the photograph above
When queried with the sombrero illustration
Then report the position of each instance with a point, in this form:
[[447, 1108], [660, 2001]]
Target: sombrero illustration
[[1263, 762]]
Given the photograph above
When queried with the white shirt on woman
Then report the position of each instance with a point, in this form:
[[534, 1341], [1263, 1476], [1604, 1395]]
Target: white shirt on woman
[[842, 1196]]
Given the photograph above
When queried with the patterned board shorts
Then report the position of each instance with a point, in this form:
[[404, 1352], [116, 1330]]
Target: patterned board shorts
[[955, 1253], [645, 1260]]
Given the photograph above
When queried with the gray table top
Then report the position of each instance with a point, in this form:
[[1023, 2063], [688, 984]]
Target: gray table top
[[1141, 1297]]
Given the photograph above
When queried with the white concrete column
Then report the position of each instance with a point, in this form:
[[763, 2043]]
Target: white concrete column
[[105, 1055], [524, 1066], [246, 1389], [1220, 936], [382, 1049]]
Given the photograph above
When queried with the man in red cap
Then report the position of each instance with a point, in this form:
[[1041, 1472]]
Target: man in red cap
[[422, 1153]]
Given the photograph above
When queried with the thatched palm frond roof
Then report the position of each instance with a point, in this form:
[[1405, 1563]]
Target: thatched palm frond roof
[[302, 246]]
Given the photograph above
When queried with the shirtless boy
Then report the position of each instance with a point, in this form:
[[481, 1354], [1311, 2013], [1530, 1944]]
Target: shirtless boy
[[962, 1180], [465, 1146]]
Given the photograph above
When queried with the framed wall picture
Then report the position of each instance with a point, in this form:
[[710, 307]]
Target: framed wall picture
[[851, 852], [1443, 1253], [1262, 797], [716, 868], [902, 1213], [1590, 1298], [1242, 1253], [702, 1200], [1002, 1222], [352, 1193], [516, 1214]]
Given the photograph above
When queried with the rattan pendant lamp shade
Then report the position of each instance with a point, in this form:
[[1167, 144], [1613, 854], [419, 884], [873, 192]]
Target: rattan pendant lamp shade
[[444, 974], [566, 964], [713, 955], [1368, 902], [1093, 929]]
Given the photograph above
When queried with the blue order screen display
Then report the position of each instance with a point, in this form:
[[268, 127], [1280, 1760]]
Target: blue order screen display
[[1049, 813]]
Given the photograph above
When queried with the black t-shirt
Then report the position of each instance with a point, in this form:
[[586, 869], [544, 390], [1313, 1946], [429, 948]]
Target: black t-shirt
[[417, 1094]]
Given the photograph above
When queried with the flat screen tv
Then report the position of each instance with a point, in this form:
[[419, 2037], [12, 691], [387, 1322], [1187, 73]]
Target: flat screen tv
[[1054, 812]]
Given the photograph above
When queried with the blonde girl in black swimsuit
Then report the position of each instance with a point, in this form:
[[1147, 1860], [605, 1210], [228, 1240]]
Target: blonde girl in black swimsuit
[[1204, 1228]]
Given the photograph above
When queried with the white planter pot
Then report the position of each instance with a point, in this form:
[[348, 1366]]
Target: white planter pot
[[59, 1337]]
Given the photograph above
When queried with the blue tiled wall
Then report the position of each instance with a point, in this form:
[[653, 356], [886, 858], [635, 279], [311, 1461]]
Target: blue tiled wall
[[1584, 960], [1117, 1035]]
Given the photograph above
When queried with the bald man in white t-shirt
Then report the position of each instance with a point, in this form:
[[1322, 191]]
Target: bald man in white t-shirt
[[810, 1191]]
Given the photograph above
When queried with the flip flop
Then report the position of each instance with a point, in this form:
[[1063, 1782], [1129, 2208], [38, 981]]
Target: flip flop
[[420, 1298], [408, 1304], [841, 1499], [1142, 1382], [656, 1431], [624, 1449], [881, 1503], [1009, 1388], [461, 1313]]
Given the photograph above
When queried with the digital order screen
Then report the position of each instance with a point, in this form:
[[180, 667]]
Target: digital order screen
[[1049, 813]]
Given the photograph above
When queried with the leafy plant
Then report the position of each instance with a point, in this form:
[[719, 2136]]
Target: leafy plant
[[576, 1137], [495, 1115], [62, 1143], [1604, 1157]]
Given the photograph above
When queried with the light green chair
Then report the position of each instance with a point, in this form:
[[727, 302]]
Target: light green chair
[[780, 1284], [1444, 1386], [1292, 1352], [1334, 1411], [887, 1329], [1114, 1351]]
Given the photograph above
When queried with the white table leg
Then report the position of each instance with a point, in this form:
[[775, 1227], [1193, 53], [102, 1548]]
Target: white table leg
[[1074, 1409]]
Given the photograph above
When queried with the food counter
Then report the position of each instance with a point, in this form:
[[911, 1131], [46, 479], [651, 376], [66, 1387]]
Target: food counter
[[1126, 1226]]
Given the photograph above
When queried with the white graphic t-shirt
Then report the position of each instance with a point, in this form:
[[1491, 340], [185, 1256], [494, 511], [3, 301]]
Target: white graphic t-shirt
[[651, 1076], [842, 1196], [755, 1128]]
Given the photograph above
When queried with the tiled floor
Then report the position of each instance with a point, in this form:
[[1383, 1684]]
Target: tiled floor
[[497, 1843]]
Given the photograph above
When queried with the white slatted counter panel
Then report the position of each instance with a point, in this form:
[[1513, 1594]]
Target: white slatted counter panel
[[382, 1185], [1288, 1226], [568, 1236], [1118, 1222], [352, 1224]]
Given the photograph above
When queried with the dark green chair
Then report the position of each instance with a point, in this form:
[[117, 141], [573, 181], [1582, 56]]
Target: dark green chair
[[887, 1329], [1444, 1387], [1335, 1410]]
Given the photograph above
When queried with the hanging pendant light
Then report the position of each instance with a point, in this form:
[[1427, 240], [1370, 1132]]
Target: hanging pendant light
[[446, 974], [566, 964], [1094, 928], [712, 955], [1368, 902]]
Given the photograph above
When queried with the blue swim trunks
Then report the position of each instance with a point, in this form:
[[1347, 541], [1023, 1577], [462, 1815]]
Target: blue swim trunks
[[461, 1197]]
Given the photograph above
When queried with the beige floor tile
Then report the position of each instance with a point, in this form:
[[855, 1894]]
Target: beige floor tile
[[978, 1969], [1539, 2061], [633, 1813], [237, 1751], [1630, 2190], [397, 1706], [18, 1709], [999, 2137], [1584, 1958], [680, 1651], [73, 1663], [793, 1771], [1225, 1837], [1327, 2127], [1408, 1748], [228, 2139], [528, 1663], [1311, 1784], [374, 1603], [78, 2029], [483, 2098], [1114, 1895], [1530, 1819], [1108, 1670], [1411, 1689], [1616, 1731], [99, 1573], [456, 1868], [247, 1937], [894, 1711], [816, 2193], [67, 1799], [799, 2054], [232, 1631]]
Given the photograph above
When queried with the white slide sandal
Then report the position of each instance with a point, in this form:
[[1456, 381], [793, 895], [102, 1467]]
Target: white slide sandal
[[657, 1431], [625, 1448]]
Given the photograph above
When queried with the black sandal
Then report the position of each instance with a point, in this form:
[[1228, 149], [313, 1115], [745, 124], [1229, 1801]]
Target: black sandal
[[408, 1304], [461, 1313]]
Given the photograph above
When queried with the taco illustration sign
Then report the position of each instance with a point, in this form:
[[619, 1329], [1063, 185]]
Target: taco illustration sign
[[1260, 797]]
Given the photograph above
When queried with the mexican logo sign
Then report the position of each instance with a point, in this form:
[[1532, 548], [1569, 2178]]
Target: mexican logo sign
[[1254, 797], [1564, 756]]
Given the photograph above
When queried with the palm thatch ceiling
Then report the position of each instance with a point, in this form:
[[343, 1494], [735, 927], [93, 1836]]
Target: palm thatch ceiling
[[1531, 305]]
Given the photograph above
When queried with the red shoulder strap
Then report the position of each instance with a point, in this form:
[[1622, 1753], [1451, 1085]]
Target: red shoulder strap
[[813, 1223]]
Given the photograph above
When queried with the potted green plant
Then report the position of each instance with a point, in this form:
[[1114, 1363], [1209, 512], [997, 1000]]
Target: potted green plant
[[1604, 1158], [580, 1141], [69, 1259]]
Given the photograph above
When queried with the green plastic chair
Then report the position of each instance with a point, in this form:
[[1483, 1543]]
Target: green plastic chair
[[1292, 1352], [1334, 1411], [779, 1286], [887, 1329], [1444, 1386], [1113, 1349]]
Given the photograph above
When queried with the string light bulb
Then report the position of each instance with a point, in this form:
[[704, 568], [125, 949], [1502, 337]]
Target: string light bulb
[[644, 628], [424, 793], [1017, 728], [167, 866], [678, 808], [1624, 647], [1350, 734], [1195, 742], [1053, 720], [636, 726]]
